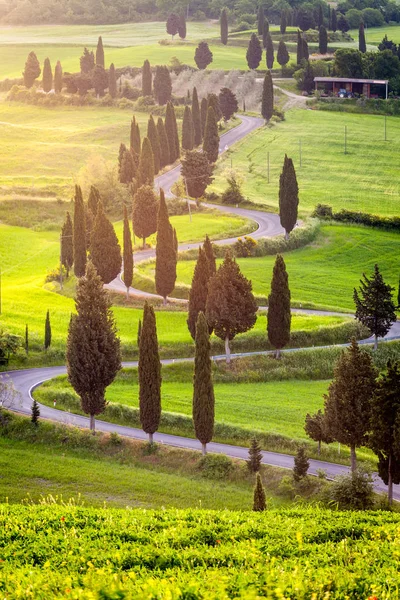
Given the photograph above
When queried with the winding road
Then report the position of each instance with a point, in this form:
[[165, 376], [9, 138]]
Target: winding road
[[27, 380]]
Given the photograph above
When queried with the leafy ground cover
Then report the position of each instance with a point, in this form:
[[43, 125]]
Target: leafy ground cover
[[299, 553], [365, 179]]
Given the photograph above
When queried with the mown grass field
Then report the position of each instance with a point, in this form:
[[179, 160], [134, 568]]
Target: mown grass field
[[374, 35], [325, 272], [365, 179]]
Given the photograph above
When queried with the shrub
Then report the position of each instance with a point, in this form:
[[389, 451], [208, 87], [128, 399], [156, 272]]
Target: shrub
[[233, 193], [215, 466], [353, 491], [245, 247], [323, 211], [54, 275]]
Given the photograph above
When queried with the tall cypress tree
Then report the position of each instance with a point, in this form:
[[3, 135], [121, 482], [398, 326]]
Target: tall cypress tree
[[100, 53], [270, 58], [282, 55], [306, 53], [213, 101], [362, 46], [211, 137], [170, 132], [164, 144], [323, 40], [79, 234], [144, 213], [93, 348], [320, 20], [129, 167], [135, 142], [203, 114], [198, 135], [105, 251], [162, 86], [176, 134], [47, 82], [182, 26], [267, 100], [198, 291], [259, 501], [89, 220], [223, 21], [300, 54], [67, 244], [58, 78], [209, 251], [203, 388], [128, 254], [254, 52], [32, 70], [147, 79], [112, 82], [265, 32], [279, 316], [260, 19], [94, 199], [187, 130], [47, 331], [283, 23], [152, 134], [166, 259], [149, 370], [334, 20], [145, 172], [288, 197]]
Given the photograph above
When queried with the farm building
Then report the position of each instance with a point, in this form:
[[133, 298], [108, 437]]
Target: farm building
[[348, 88]]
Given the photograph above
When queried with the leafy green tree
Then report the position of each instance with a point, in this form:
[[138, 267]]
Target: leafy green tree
[[209, 251], [94, 199], [166, 258], [254, 52], [223, 22], [203, 55], [145, 172], [164, 144], [67, 244], [162, 86], [152, 135], [348, 63], [47, 332], [196, 117], [259, 501], [228, 103], [147, 79], [269, 51], [93, 348], [323, 40], [47, 81], [265, 32], [182, 27], [79, 234], [315, 428], [283, 22], [288, 196], [362, 46], [187, 130], [173, 24], [301, 464], [105, 251], [35, 413], [144, 214], [211, 136], [112, 82], [283, 55], [128, 254], [135, 142], [100, 53], [267, 98], [260, 20], [58, 78], [149, 370], [255, 456], [348, 402], [197, 172], [87, 62], [279, 315], [342, 24], [374, 305], [231, 306], [198, 292], [203, 114], [203, 388], [32, 70]]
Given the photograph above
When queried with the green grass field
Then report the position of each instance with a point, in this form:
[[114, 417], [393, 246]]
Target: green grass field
[[374, 35], [364, 179]]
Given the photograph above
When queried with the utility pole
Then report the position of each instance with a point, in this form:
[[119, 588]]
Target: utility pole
[[345, 139], [300, 151], [61, 275], [268, 165], [385, 130]]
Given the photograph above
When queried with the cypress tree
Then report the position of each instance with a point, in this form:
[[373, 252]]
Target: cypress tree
[[213, 101], [162, 86], [187, 130], [267, 99], [283, 23], [362, 46], [300, 55], [121, 152], [198, 291], [259, 501], [32, 70], [145, 172], [270, 58], [170, 133], [203, 388], [105, 251], [166, 259], [254, 52], [323, 40], [203, 55], [209, 251], [374, 304], [144, 213], [306, 53], [93, 348], [348, 401], [203, 114], [231, 306], [26, 340], [198, 135], [67, 244], [79, 234], [260, 20], [172, 24], [35, 413], [334, 20], [164, 144], [279, 316], [94, 199], [176, 134], [87, 62], [196, 171], [255, 456], [139, 332], [135, 142], [315, 428], [211, 137], [112, 81], [283, 55], [147, 79], [228, 103], [301, 464], [152, 134], [320, 20], [265, 32], [288, 196], [129, 167], [89, 220], [128, 254], [100, 53], [182, 27], [47, 82], [58, 78], [223, 21], [47, 331], [149, 371]]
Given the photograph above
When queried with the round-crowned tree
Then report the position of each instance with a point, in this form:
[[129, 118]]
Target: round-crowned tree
[[105, 251], [197, 172], [228, 103], [254, 52], [144, 214], [203, 55]]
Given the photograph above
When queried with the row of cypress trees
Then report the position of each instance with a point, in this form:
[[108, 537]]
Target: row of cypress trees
[[255, 50]]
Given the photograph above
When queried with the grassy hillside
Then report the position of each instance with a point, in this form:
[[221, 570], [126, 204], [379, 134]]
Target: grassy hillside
[[67, 551], [374, 35]]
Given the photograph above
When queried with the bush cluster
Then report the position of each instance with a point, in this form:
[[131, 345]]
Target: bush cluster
[[323, 211]]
